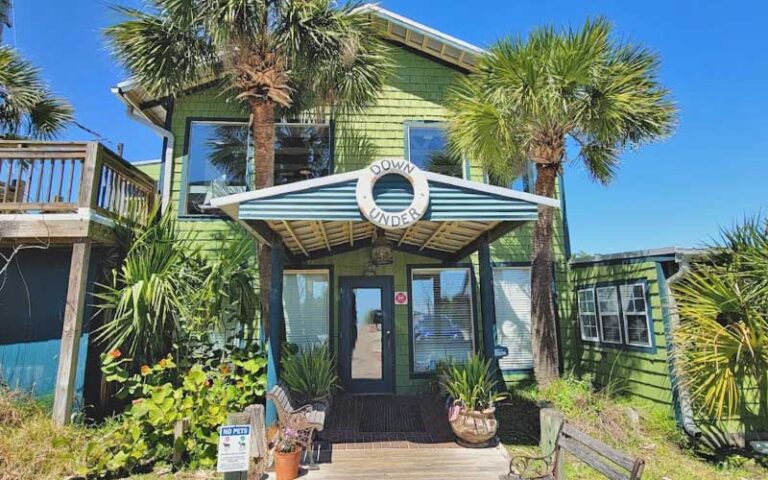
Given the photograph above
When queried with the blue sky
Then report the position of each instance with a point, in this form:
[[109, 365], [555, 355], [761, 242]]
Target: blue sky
[[714, 54]]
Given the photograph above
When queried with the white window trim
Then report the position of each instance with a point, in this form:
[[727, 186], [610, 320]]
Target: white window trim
[[471, 310], [591, 291], [648, 324], [617, 313]]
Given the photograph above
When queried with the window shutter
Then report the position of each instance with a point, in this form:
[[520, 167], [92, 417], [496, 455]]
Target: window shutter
[[305, 307], [441, 317], [512, 296]]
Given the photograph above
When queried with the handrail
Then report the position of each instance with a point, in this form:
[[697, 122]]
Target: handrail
[[62, 177]]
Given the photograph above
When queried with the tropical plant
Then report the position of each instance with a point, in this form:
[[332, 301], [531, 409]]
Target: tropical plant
[[27, 108], [723, 334], [529, 100], [472, 383], [271, 55], [148, 297], [162, 395], [310, 373]]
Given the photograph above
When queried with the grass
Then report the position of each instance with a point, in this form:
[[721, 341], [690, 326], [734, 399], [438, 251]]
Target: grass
[[638, 428], [31, 447]]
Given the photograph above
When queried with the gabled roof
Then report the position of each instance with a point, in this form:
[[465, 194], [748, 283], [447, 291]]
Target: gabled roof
[[392, 26], [323, 215]]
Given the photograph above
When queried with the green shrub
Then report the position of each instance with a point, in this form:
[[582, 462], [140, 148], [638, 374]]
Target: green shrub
[[310, 373], [161, 396], [472, 383]]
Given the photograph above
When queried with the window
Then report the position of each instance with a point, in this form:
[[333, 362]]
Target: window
[[306, 307], [219, 156], [609, 305], [608, 310], [427, 147], [524, 181], [588, 315], [512, 292], [441, 317], [635, 315]]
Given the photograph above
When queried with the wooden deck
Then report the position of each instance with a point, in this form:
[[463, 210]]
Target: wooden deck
[[412, 464]]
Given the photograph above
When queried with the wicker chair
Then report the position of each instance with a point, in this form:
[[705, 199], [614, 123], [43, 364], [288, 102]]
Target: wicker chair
[[304, 421]]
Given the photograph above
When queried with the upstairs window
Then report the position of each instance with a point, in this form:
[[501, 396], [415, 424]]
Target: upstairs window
[[441, 317], [219, 159], [426, 145], [616, 314]]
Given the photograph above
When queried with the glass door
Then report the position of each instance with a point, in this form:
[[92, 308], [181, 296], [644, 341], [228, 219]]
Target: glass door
[[366, 334]]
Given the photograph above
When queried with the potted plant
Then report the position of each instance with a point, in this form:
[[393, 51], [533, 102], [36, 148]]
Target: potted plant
[[287, 454], [472, 390], [310, 375]]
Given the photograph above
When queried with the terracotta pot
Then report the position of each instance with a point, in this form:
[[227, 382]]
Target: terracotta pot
[[475, 427], [287, 465]]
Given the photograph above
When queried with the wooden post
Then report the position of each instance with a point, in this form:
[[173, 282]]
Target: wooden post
[[487, 307], [275, 324], [70, 335], [551, 423]]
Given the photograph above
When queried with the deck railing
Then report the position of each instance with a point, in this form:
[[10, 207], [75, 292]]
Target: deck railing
[[47, 177]]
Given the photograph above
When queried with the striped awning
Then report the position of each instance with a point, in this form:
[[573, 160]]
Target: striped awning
[[321, 216]]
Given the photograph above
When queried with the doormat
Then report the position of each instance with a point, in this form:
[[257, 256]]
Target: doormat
[[389, 416]]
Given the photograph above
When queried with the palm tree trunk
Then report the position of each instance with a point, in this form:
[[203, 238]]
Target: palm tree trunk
[[263, 128], [543, 332]]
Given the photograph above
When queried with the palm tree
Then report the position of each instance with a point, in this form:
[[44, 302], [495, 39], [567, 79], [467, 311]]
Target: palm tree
[[723, 332], [272, 55], [27, 108], [535, 99]]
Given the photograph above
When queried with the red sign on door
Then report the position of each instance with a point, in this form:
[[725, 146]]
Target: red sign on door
[[401, 298]]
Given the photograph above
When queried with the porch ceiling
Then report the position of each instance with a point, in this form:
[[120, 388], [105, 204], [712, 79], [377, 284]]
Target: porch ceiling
[[306, 237]]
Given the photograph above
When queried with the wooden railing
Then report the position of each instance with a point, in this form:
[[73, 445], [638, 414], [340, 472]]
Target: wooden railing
[[48, 177]]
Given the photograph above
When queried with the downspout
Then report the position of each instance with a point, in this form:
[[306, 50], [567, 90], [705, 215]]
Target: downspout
[[134, 112], [687, 421]]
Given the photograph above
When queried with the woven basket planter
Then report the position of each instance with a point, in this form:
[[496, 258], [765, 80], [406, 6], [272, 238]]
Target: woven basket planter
[[475, 427]]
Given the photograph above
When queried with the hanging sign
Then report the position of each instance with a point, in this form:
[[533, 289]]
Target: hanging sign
[[234, 448], [401, 298], [393, 220]]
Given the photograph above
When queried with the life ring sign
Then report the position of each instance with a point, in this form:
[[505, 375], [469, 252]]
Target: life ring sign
[[383, 218]]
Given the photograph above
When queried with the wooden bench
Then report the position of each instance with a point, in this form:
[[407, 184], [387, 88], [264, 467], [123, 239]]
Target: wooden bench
[[610, 462]]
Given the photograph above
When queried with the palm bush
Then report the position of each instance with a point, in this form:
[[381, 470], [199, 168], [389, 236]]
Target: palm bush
[[532, 100], [472, 383], [310, 373], [723, 333]]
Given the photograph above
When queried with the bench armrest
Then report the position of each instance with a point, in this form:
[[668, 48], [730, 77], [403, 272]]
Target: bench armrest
[[531, 467]]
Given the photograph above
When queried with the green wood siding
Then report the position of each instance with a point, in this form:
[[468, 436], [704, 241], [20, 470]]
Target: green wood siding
[[416, 91], [152, 169], [639, 373]]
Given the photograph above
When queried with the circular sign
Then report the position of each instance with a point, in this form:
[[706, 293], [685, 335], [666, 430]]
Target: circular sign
[[393, 220], [401, 298]]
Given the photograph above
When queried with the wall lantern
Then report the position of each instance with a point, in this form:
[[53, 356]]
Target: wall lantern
[[381, 250]]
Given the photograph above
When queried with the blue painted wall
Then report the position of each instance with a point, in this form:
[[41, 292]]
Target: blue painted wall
[[33, 294]]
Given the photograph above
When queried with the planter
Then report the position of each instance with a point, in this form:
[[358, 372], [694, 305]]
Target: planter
[[287, 465], [474, 428]]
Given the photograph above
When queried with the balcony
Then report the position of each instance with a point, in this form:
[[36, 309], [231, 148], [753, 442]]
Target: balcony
[[68, 191]]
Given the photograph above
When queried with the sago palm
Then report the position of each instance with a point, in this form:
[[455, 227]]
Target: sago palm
[[723, 332], [272, 55], [533, 100], [27, 108]]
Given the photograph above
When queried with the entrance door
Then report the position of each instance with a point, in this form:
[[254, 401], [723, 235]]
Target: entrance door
[[367, 343]]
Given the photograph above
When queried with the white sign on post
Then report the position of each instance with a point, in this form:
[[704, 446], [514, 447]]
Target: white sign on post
[[234, 448]]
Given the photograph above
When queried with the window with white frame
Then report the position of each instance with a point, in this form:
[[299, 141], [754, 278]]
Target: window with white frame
[[306, 306], [441, 317], [588, 315], [636, 321], [427, 147], [609, 315], [512, 299], [219, 153], [616, 314]]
